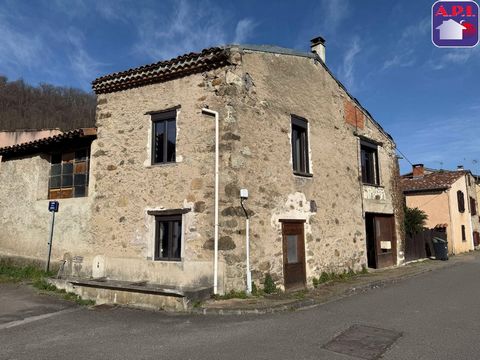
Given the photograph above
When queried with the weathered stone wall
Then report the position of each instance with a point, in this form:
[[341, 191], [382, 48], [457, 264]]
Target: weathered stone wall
[[126, 185], [255, 98], [25, 219], [262, 92]]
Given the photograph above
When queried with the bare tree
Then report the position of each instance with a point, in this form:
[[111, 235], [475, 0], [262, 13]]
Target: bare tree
[[23, 106]]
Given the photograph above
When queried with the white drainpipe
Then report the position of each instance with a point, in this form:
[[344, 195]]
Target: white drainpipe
[[215, 246]]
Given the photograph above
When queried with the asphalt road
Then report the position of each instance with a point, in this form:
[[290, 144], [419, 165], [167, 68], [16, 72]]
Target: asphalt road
[[437, 315]]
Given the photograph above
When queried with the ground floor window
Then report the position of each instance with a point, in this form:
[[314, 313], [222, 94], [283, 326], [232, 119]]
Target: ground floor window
[[168, 237]]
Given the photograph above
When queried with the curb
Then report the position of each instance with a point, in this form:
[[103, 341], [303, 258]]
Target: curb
[[294, 305], [312, 302]]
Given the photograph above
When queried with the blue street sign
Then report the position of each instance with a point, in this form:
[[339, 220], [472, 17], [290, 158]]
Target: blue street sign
[[53, 206]]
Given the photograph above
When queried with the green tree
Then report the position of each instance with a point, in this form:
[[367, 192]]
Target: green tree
[[415, 220]]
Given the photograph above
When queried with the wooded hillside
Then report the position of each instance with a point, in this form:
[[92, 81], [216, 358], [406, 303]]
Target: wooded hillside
[[23, 106]]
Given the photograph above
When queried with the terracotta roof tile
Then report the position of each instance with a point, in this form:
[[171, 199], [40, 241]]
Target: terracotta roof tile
[[438, 180], [180, 66], [37, 145]]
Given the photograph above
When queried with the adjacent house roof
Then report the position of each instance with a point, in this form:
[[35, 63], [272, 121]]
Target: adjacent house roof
[[161, 71], [40, 145], [438, 180]]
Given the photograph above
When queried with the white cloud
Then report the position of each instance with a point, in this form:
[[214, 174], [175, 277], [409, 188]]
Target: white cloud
[[112, 11], [333, 12], [347, 68], [243, 30], [191, 26], [453, 57], [55, 48], [83, 66], [20, 50], [188, 28], [403, 54], [69, 8], [46, 53]]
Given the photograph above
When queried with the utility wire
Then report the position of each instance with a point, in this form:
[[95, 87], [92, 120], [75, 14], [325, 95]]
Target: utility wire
[[404, 156]]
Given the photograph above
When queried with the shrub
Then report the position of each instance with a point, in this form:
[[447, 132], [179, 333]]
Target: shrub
[[254, 289], [364, 269], [269, 285], [415, 220]]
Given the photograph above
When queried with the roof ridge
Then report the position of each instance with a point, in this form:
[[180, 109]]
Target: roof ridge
[[162, 70]]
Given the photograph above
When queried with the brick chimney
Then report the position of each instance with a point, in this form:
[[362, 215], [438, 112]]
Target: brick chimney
[[317, 45], [418, 170]]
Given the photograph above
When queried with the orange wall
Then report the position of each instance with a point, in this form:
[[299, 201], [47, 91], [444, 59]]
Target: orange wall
[[434, 205]]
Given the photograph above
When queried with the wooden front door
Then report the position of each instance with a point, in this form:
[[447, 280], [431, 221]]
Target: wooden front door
[[381, 240], [293, 254], [385, 239]]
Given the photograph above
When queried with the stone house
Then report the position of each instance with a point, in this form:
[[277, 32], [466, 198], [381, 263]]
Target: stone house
[[449, 198], [321, 173]]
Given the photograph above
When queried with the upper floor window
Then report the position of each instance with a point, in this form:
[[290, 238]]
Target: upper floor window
[[69, 174], [369, 160], [473, 206], [300, 158], [164, 137], [461, 201]]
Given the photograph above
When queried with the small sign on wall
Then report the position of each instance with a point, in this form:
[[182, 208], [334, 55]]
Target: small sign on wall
[[386, 245]]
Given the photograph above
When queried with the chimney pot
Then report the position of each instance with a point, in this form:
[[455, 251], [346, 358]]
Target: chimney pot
[[317, 45], [418, 170]]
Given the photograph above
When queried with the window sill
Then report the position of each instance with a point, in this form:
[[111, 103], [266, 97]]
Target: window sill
[[67, 198], [373, 185], [169, 260], [307, 175], [167, 164]]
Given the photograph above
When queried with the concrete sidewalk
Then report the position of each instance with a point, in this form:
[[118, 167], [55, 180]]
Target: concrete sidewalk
[[329, 291]]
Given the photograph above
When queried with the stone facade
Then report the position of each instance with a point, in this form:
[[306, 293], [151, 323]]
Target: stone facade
[[255, 96], [25, 218]]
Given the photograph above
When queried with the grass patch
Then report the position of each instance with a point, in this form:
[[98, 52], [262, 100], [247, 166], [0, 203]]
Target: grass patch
[[9, 273], [231, 295], [36, 277], [300, 294], [326, 277]]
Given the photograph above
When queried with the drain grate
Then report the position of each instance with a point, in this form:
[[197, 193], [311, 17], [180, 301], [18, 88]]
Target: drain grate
[[363, 342]]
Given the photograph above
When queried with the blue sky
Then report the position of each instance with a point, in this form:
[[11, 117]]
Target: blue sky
[[426, 97]]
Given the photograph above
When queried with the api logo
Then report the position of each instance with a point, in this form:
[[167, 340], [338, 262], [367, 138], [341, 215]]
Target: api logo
[[455, 23]]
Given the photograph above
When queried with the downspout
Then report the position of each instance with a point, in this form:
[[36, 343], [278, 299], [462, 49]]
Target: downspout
[[244, 196], [469, 211], [215, 246]]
